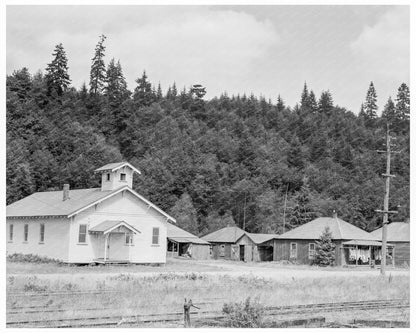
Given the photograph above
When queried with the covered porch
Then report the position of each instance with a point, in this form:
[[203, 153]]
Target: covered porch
[[365, 253], [112, 242]]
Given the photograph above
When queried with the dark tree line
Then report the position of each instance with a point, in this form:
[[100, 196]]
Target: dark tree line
[[232, 159]]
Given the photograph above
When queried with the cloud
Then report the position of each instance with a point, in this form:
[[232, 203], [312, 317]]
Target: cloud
[[214, 47], [384, 48]]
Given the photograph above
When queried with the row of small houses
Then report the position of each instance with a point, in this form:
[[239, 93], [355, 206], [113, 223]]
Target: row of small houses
[[114, 223]]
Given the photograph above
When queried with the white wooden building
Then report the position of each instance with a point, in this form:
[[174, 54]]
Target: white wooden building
[[108, 224]]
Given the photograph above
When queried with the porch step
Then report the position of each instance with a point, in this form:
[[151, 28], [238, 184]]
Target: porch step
[[111, 262]]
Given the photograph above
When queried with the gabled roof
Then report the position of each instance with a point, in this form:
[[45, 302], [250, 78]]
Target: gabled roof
[[261, 238], [225, 235], [108, 226], [340, 230], [179, 235], [233, 234], [396, 232], [115, 166], [51, 203]]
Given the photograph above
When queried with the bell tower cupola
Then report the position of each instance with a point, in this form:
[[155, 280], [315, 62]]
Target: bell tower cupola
[[116, 175]]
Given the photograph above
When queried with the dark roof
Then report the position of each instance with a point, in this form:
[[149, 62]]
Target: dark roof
[[51, 203], [233, 234], [225, 235], [396, 232], [107, 225], [179, 235], [340, 230], [115, 166]]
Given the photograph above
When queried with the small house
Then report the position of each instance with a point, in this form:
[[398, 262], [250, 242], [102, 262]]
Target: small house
[[398, 235], [354, 246], [112, 223], [234, 243], [181, 243]]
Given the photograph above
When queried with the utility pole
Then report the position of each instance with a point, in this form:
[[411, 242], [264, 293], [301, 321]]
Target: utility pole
[[385, 210]]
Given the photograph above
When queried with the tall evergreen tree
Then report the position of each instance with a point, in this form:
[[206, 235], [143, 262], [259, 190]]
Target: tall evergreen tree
[[116, 87], [403, 102], [370, 105], [389, 112], [280, 104], [325, 104], [312, 102], [304, 98], [143, 94], [57, 76], [98, 70]]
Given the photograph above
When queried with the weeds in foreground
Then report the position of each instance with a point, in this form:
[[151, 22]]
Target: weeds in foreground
[[247, 314], [32, 258]]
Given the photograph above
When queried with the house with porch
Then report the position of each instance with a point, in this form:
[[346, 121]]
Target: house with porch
[[398, 235], [234, 243], [354, 246], [112, 223]]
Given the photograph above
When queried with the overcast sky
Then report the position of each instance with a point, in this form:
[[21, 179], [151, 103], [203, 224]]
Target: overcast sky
[[267, 50]]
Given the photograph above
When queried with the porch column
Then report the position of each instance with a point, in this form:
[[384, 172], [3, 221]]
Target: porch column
[[356, 255], [371, 259], [105, 246]]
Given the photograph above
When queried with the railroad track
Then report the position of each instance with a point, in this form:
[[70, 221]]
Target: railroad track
[[116, 320]]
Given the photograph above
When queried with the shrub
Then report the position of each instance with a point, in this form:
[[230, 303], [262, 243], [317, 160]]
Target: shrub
[[244, 314], [32, 258], [325, 249]]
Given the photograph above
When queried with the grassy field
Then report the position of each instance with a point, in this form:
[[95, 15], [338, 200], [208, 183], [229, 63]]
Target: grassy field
[[123, 291]]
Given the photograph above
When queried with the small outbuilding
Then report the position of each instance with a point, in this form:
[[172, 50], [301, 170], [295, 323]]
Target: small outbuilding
[[234, 243], [181, 243], [398, 235], [354, 246]]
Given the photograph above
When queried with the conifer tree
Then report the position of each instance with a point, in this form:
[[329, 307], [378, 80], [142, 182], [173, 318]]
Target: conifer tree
[[304, 98], [370, 105], [403, 102], [57, 76], [325, 249], [280, 104], [325, 104], [389, 112], [98, 70], [159, 94], [312, 102], [116, 87], [143, 94]]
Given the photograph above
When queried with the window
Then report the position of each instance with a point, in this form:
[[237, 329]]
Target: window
[[25, 232], [210, 250], [122, 176], [82, 236], [108, 177], [11, 232], [42, 233], [293, 250], [222, 250], [311, 252], [129, 238], [155, 237]]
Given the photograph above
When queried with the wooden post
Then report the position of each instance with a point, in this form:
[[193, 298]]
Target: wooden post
[[186, 312], [105, 246], [356, 255]]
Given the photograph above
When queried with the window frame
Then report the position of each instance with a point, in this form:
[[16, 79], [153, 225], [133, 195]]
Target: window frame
[[108, 177], [128, 239], [157, 243], [42, 233], [11, 232], [222, 250], [123, 177], [296, 250], [311, 253], [25, 233], [82, 233]]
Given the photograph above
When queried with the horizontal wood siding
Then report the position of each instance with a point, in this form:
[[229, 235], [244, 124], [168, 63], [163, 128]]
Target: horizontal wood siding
[[401, 253]]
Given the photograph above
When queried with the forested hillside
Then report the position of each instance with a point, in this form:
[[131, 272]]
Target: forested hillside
[[231, 159]]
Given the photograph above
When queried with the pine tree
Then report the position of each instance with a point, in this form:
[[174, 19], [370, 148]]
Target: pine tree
[[98, 70], [403, 102], [159, 93], [325, 104], [57, 76], [312, 102], [304, 98], [325, 249], [280, 104], [116, 86], [389, 112], [143, 94], [370, 105]]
